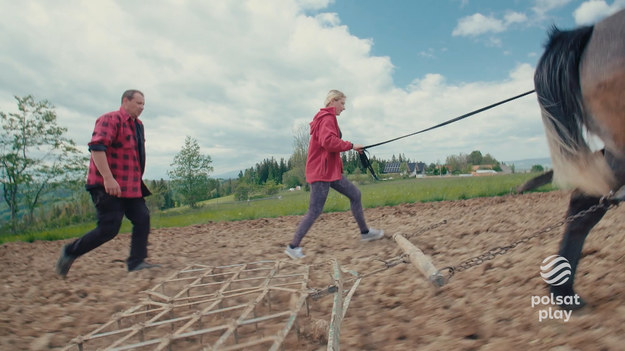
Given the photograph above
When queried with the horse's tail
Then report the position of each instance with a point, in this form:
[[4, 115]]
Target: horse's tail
[[564, 116]]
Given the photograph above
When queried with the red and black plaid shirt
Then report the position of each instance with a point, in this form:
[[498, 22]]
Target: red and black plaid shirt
[[116, 134]]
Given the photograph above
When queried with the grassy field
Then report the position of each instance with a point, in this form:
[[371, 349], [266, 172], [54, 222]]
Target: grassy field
[[382, 193]]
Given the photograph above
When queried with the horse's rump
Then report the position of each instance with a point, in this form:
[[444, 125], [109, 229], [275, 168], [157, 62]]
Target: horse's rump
[[602, 73], [564, 114]]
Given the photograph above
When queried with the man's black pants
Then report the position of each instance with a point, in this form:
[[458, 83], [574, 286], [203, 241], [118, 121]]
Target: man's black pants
[[110, 212]]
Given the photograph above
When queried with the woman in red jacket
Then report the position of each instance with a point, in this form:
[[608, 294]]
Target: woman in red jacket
[[324, 170]]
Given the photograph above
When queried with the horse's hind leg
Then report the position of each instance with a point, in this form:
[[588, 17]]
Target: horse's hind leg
[[572, 242]]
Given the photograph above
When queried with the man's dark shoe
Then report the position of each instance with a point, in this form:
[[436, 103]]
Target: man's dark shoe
[[143, 265], [64, 262]]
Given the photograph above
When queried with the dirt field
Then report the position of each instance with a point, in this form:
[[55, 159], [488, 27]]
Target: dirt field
[[487, 307]]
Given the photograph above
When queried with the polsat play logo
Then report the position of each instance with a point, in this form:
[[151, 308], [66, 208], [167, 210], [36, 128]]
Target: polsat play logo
[[555, 270]]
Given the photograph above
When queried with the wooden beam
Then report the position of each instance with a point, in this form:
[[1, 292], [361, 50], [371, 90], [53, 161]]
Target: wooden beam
[[420, 260], [334, 333]]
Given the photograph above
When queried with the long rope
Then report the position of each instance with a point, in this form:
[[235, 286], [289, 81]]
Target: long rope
[[452, 120], [365, 160]]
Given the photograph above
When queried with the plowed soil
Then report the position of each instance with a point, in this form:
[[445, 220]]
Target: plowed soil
[[486, 307]]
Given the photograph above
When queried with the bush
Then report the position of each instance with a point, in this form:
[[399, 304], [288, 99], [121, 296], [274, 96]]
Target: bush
[[537, 169], [242, 192], [271, 188]]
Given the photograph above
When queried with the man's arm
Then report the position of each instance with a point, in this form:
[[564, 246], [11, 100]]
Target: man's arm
[[110, 184]]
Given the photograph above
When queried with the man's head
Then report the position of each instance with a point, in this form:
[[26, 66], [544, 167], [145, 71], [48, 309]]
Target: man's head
[[133, 102]]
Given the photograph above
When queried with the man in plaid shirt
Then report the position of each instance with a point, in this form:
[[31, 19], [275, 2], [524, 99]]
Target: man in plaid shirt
[[115, 182]]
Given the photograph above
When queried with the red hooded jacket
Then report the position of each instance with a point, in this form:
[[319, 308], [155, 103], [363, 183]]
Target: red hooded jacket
[[323, 163]]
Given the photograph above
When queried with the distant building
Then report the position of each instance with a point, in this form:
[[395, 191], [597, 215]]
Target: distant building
[[414, 168], [475, 168], [483, 170]]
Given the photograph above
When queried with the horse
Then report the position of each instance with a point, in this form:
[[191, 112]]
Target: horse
[[580, 86]]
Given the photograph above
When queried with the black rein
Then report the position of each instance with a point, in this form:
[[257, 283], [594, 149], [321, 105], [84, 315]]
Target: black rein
[[365, 160]]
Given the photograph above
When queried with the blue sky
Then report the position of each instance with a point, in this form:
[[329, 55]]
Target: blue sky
[[427, 36], [243, 77]]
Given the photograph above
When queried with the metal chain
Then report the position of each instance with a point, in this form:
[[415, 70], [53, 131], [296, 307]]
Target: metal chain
[[316, 294], [423, 230], [604, 202]]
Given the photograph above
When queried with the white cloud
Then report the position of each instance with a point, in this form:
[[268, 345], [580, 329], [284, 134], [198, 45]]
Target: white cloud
[[313, 4], [515, 17], [478, 24], [429, 53], [590, 12], [541, 7], [239, 76], [328, 19]]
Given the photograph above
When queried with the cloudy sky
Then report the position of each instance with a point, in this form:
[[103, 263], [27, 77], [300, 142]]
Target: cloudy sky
[[242, 76]]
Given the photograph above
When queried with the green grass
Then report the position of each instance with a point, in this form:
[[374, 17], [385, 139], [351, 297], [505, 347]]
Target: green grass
[[382, 193]]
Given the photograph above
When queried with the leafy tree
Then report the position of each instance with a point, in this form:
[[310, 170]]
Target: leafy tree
[[489, 160], [250, 176], [297, 162], [377, 166], [35, 156], [351, 162], [458, 163], [190, 174], [214, 185], [267, 171], [227, 187], [537, 168], [162, 197], [431, 169], [243, 191], [403, 168], [289, 180], [271, 188], [475, 158]]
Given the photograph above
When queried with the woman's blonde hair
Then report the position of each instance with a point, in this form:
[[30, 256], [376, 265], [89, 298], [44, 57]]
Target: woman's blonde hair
[[334, 95]]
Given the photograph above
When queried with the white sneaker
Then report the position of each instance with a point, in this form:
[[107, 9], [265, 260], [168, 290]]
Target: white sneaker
[[374, 234], [295, 253]]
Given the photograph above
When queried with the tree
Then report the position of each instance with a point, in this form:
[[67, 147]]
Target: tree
[[537, 168], [489, 160], [190, 174], [35, 156], [161, 198], [475, 158], [243, 191], [457, 163], [403, 168], [297, 162]]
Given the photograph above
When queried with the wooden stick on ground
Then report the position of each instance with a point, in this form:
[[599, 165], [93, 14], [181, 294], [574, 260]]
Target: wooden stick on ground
[[420, 260]]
